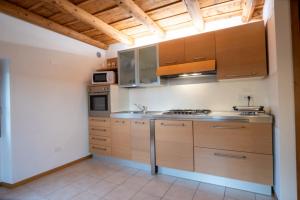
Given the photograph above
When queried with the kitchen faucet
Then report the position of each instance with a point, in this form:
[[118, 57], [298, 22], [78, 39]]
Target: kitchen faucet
[[141, 107]]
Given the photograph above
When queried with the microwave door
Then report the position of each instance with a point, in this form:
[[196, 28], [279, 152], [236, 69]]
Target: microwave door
[[99, 78]]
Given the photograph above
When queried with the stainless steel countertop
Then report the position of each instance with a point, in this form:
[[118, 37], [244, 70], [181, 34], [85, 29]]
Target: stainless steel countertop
[[213, 116]]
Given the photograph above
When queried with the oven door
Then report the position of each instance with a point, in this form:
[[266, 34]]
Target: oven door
[[99, 104]]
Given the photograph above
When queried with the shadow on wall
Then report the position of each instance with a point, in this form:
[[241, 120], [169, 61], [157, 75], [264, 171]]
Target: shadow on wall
[[5, 136]]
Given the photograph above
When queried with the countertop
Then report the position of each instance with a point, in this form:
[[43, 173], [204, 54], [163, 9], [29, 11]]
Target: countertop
[[213, 116]]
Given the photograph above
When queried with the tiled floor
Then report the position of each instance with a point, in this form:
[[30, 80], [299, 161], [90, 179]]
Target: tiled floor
[[96, 180]]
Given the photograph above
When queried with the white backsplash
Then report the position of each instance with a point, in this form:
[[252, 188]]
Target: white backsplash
[[217, 96]]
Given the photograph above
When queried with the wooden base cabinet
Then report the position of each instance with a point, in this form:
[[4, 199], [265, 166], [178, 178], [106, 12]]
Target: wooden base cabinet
[[251, 167], [100, 136], [120, 138], [174, 144], [140, 140]]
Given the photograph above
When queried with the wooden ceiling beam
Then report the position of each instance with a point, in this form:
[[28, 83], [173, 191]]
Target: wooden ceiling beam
[[90, 19], [18, 12], [137, 13], [194, 10], [35, 6], [248, 10]]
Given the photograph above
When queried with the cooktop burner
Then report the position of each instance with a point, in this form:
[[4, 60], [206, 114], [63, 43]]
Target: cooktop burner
[[187, 112]]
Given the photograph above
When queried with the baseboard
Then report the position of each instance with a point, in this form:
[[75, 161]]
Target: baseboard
[[27, 180]]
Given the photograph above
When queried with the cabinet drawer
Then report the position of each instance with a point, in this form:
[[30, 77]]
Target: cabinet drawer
[[100, 150], [100, 131], [140, 140], [174, 144], [251, 167], [99, 122], [237, 136], [100, 140]]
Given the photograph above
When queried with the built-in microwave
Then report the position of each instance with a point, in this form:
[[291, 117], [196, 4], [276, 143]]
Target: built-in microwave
[[99, 100], [104, 77]]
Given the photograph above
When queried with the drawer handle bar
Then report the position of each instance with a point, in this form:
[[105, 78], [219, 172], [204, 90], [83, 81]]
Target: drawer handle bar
[[101, 139], [99, 120], [136, 122], [163, 124], [199, 58], [228, 127], [240, 76], [171, 62], [103, 149], [120, 121], [97, 129], [230, 156]]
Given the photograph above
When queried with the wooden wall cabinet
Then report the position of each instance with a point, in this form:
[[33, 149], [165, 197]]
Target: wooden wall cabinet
[[140, 140], [120, 138], [234, 149], [174, 144], [241, 51], [200, 47], [100, 136], [171, 52]]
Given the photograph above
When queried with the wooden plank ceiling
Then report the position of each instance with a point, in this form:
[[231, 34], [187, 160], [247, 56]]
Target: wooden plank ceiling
[[104, 22]]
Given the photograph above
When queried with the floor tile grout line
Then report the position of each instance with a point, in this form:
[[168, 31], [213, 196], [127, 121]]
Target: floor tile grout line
[[196, 190], [142, 187], [169, 188]]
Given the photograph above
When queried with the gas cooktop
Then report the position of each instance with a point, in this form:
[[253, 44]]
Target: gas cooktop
[[187, 112]]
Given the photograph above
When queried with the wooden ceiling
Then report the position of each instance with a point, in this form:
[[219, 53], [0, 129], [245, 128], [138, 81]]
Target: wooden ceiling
[[104, 22]]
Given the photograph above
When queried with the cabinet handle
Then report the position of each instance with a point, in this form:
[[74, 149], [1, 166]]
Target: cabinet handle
[[230, 156], [97, 129], [99, 148], [101, 139], [163, 124], [171, 62], [228, 127], [120, 121], [199, 58], [137, 122], [241, 76], [99, 120]]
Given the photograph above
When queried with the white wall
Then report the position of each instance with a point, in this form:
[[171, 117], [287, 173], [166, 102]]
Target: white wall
[[49, 74], [281, 93], [217, 96]]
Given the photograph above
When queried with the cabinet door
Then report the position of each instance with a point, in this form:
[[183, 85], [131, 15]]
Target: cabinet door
[[147, 65], [140, 141], [200, 47], [171, 52], [120, 138], [241, 51], [127, 73], [174, 144]]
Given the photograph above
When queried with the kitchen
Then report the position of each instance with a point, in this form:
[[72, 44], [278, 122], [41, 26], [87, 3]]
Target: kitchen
[[164, 95]]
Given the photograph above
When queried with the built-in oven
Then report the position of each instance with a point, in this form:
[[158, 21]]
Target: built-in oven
[[99, 100]]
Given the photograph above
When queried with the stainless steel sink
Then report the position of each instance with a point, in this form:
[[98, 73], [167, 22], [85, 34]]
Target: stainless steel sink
[[138, 112]]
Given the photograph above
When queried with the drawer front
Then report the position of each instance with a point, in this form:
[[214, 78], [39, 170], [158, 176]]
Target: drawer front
[[237, 136], [174, 144], [251, 167], [140, 140], [99, 122], [100, 131], [100, 150], [100, 140]]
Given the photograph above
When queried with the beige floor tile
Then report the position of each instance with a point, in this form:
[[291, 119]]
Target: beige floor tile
[[207, 191], [234, 194], [120, 193], [137, 181], [118, 177], [3, 191], [85, 181], [263, 197], [65, 193], [102, 188], [144, 196], [159, 185], [86, 196], [16, 193], [182, 189]]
